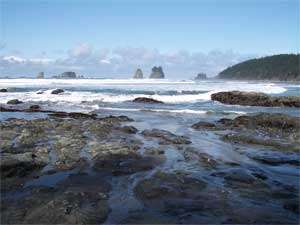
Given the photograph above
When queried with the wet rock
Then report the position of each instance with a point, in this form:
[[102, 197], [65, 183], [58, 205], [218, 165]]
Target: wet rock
[[58, 208], [273, 160], [146, 217], [35, 107], [147, 100], [166, 137], [120, 164], [154, 151], [255, 99], [205, 160], [164, 186], [3, 90], [275, 121], [40, 92], [236, 175], [292, 205], [14, 102], [67, 149], [19, 165], [204, 125], [75, 115], [253, 139], [129, 129], [57, 91], [116, 119]]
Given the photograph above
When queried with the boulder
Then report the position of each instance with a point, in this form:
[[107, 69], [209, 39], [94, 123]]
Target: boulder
[[35, 107], [146, 100], [157, 73], [255, 99], [14, 102], [3, 90], [138, 74], [57, 91]]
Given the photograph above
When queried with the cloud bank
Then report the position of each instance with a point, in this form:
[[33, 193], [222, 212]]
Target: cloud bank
[[121, 62]]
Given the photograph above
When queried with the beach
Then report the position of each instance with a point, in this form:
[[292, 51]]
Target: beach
[[104, 158]]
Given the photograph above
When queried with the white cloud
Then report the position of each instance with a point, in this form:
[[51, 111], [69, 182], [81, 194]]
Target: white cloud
[[122, 62], [81, 50]]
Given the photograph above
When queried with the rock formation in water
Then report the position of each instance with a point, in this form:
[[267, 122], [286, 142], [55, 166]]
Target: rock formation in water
[[138, 74], [66, 75], [201, 76], [157, 73], [57, 91], [255, 99], [40, 75]]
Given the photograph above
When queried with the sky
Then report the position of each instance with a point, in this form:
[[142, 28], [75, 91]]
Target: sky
[[111, 38]]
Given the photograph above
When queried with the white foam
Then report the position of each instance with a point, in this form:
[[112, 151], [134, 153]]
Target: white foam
[[144, 85], [79, 97], [128, 86], [179, 111]]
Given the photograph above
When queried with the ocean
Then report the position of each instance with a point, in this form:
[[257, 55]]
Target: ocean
[[274, 175], [180, 97]]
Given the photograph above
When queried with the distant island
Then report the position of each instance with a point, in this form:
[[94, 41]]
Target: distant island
[[283, 67], [201, 76], [156, 73]]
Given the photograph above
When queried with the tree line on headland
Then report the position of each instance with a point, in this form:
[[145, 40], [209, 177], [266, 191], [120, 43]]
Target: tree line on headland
[[283, 67]]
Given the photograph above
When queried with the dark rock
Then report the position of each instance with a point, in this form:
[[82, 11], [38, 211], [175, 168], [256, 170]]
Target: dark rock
[[236, 175], [154, 151], [146, 100], [255, 99], [167, 138], [75, 115], [204, 125], [14, 102], [120, 164], [3, 90], [273, 160], [19, 165], [205, 160], [138, 74], [57, 91], [201, 76], [129, 129], [157, 73], [163, 186], [40, 92], [292, 205], [116, 119], [35, 107]]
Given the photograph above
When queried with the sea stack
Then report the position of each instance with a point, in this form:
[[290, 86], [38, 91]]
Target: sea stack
[[40, 75], [157, 73], [201, 76], [138, 74], [66, 75]]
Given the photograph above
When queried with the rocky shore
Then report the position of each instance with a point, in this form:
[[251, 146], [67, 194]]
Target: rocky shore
[[69, 168], [255, 99]]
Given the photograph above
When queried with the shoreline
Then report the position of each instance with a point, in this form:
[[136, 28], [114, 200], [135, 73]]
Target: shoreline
[[87, 160]]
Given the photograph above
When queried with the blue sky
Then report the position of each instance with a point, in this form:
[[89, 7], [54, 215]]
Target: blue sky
[[161, 31]]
